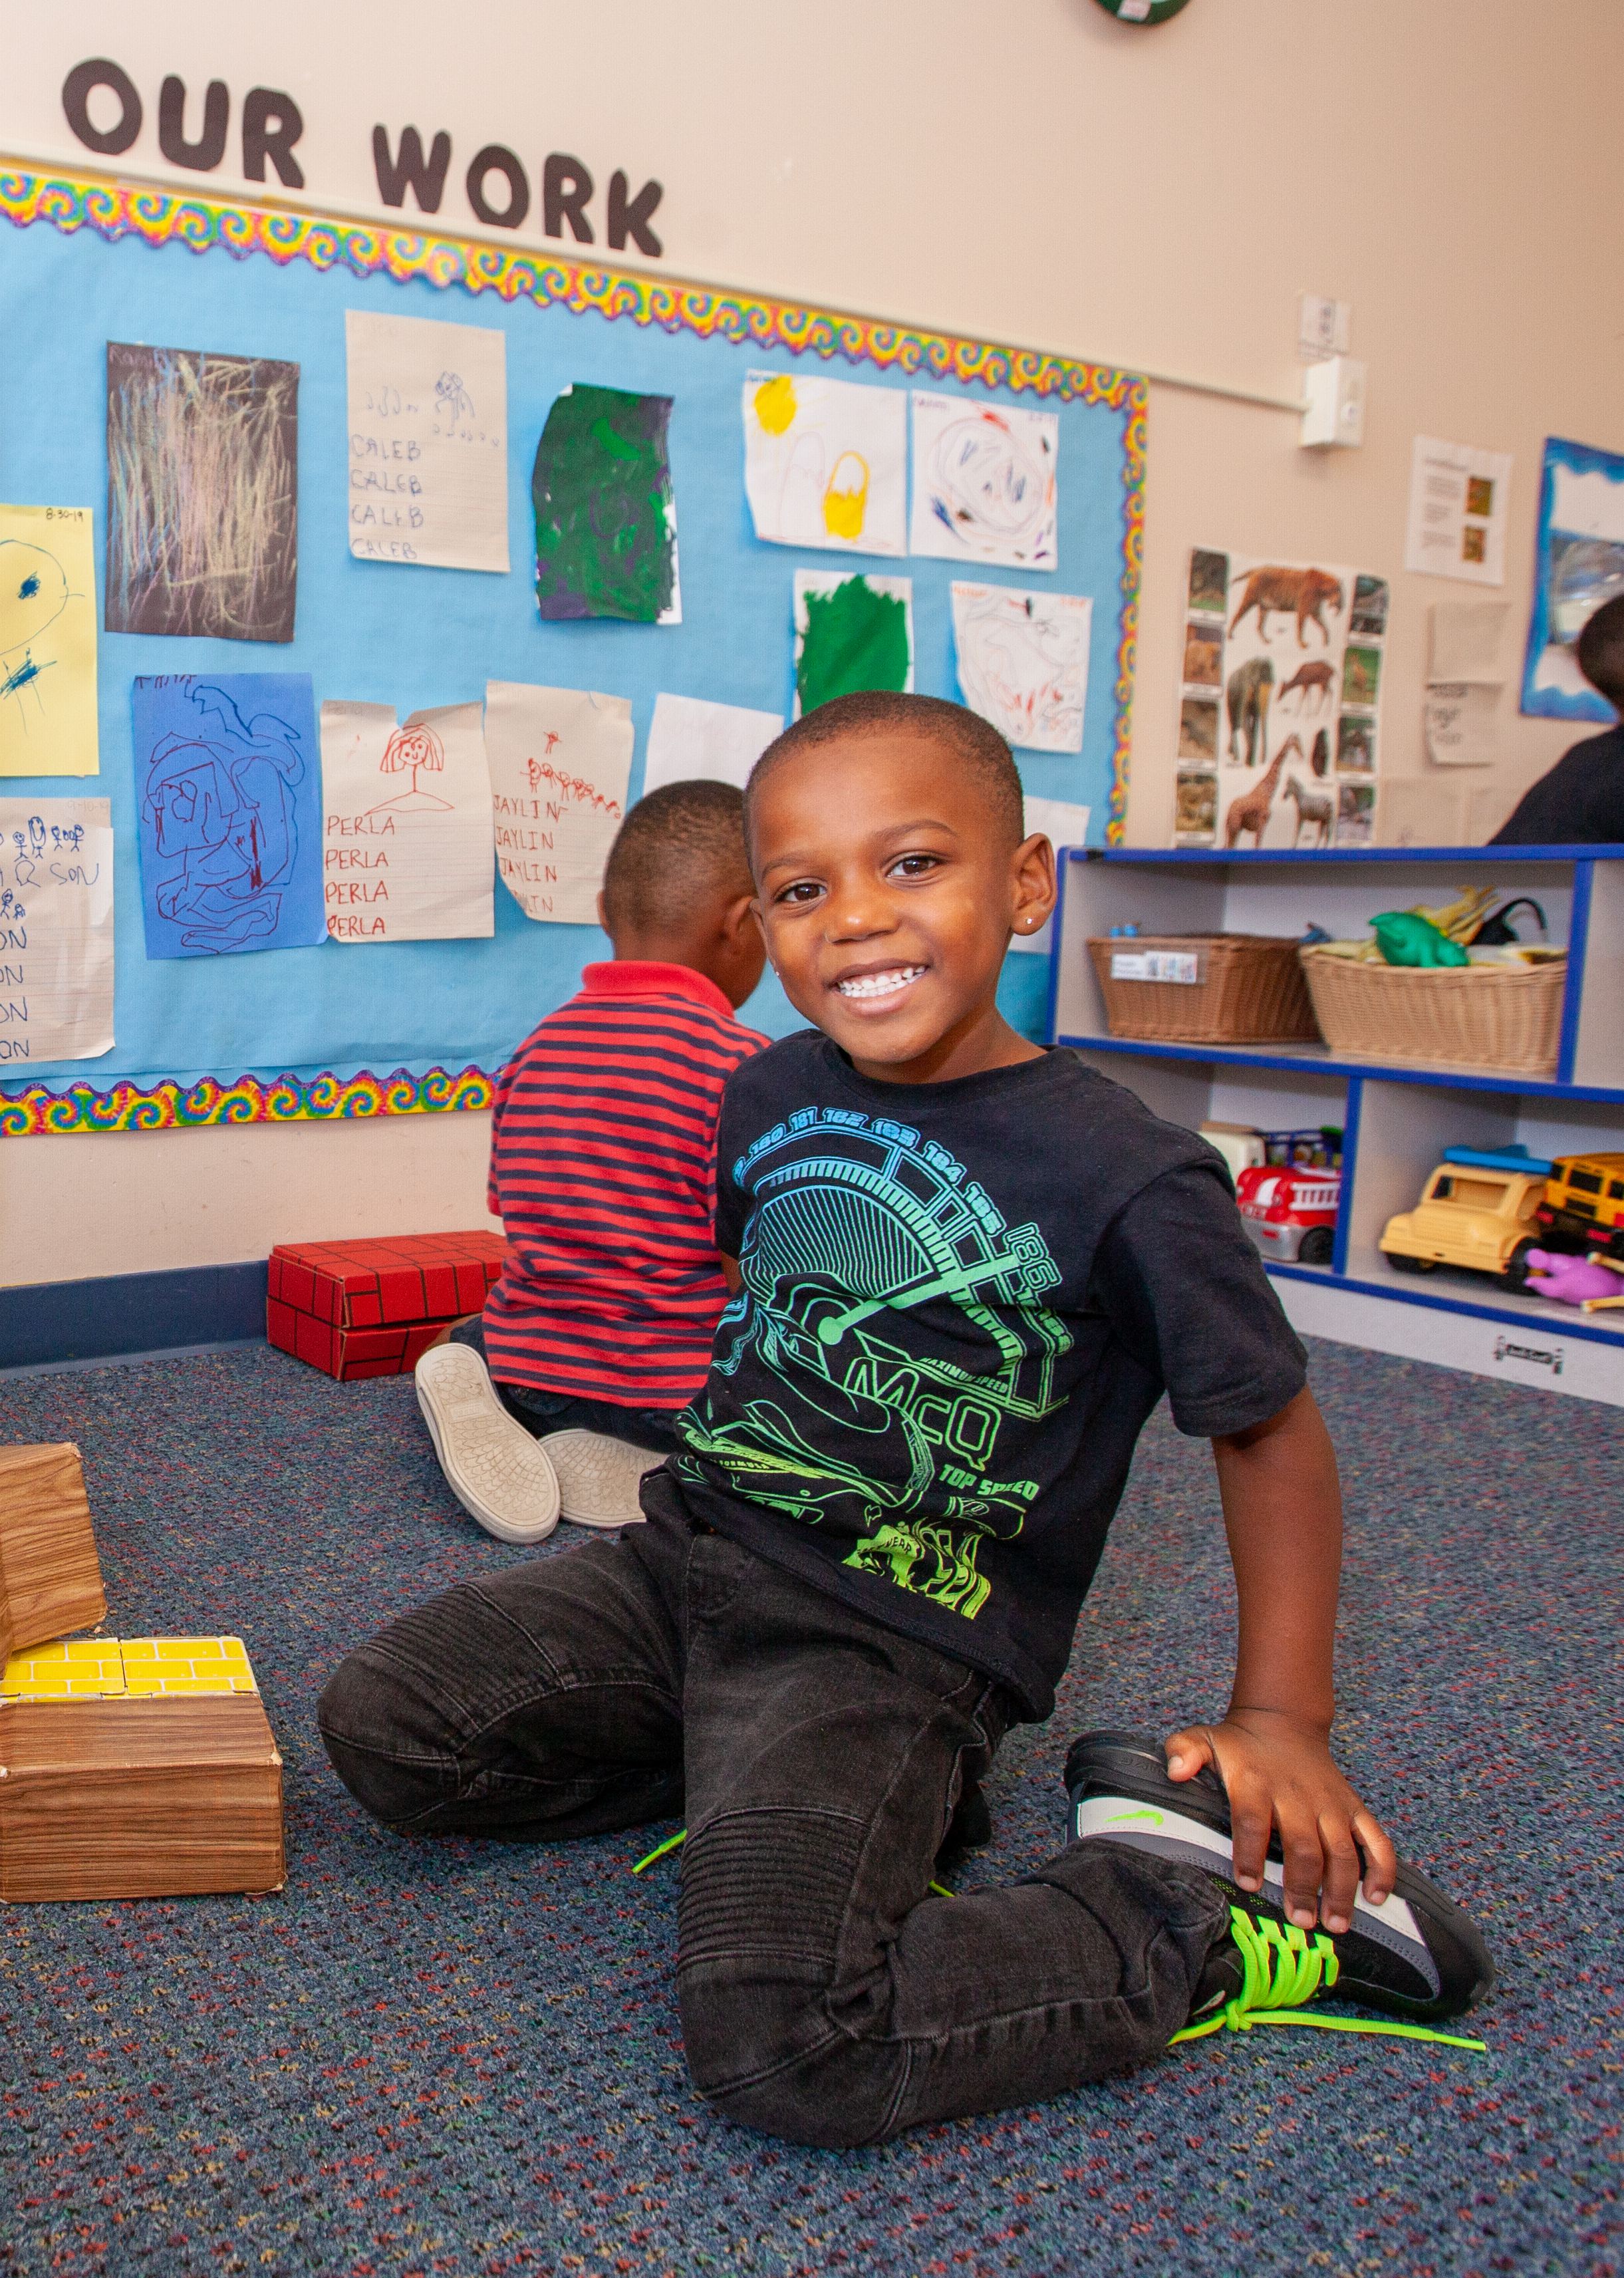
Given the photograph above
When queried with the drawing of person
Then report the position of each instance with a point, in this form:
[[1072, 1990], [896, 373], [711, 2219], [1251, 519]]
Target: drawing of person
[[33, 592]]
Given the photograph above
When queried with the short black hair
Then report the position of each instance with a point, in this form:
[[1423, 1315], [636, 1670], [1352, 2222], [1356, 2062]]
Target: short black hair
[[681, 847], [972, 742], [1601, 651]]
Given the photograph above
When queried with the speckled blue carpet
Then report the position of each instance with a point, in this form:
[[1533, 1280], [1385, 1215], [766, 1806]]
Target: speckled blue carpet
[[451, 2058]]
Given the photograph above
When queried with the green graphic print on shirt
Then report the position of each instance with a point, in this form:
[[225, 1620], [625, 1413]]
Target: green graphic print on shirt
[[891, 1326]]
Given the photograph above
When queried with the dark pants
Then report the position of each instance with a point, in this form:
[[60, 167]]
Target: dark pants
[[541, 1412], [826, 1995]]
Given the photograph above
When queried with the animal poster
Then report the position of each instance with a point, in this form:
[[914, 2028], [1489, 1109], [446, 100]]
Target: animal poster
[[202, 493], [1023, 662], [408, 855], [55, 931], [985, 483], [48, 715], [606, 513], [228, 781], [690, 738], [825, 462], [1579, 563], [561, 763], [850, 633], [428, 441], [1278, 703]]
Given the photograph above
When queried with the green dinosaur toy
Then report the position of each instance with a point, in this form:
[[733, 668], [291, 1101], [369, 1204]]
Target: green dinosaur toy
[[1405, 937]]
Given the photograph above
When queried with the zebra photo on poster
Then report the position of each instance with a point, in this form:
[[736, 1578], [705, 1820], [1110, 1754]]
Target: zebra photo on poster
[[1277, 734]]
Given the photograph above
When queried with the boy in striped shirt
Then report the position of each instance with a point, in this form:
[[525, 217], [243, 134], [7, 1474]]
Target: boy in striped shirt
[[558, 1397]]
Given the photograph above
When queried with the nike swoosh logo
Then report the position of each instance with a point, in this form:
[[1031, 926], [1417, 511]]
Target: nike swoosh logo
[[1154, 1817]]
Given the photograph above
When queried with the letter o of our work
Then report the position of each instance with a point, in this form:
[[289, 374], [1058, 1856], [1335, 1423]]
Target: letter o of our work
[[495, 158], [77, 89]]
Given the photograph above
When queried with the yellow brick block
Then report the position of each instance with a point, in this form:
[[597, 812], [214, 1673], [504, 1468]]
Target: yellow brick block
[[79, 1668], [190, 1665]]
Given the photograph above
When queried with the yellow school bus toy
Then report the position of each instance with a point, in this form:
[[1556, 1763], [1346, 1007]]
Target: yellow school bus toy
[[1584, 1206], [1479, 1210]]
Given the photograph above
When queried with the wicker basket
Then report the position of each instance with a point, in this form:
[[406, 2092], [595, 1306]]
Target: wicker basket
[[1204, 988], [1492, 1016]]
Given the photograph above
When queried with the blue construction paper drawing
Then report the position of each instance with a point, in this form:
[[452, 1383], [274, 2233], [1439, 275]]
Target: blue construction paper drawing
[[228, 776]]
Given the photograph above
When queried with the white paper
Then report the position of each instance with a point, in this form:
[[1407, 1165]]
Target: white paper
[[1460, 499], [560, 762], [985, 485], [1465, 641], [1063, 824], [428, 441], [408, 824], [55, 931], [1023, 662], [825, 462], [691, 738], [1461, 723]]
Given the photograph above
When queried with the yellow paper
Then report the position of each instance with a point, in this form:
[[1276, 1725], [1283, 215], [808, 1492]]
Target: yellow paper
[[129, 1668], [48, 717]]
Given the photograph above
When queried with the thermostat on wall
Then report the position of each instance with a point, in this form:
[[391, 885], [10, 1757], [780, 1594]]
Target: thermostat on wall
[[1142, 12]]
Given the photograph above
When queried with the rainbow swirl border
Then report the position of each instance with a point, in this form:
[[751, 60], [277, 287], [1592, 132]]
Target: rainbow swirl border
[[112, 210], [170, 1107]]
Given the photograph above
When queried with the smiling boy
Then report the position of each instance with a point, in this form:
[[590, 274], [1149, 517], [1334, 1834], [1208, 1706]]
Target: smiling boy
[[969, 1269]]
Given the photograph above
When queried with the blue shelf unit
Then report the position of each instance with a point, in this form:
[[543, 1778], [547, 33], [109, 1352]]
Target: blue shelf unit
[[1397, 1116]]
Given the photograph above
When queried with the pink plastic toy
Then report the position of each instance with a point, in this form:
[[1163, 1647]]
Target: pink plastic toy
[[1571, 1281]]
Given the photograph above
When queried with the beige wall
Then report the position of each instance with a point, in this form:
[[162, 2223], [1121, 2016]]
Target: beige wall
[[1158, 198]]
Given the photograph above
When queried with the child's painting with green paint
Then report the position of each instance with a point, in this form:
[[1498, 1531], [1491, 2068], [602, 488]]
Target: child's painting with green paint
[[851, 634]]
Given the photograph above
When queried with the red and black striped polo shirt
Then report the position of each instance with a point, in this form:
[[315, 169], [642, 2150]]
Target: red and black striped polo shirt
[[603, 1172]]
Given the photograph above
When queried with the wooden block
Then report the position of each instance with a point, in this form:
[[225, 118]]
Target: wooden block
[[139, 1795], [50, 1578]]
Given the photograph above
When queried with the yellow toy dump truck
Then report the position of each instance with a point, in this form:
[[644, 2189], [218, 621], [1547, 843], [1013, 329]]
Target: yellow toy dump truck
[[1584, 1206], [1479, 1209]]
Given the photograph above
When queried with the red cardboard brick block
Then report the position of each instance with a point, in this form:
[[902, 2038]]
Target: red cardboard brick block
[[371, 1308]]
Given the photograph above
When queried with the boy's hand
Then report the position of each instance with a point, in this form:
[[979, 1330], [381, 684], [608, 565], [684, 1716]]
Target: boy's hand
[[1279, 1771]]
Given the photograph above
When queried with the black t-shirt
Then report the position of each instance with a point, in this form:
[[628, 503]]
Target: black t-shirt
[[1580, 803], [961, 1303]]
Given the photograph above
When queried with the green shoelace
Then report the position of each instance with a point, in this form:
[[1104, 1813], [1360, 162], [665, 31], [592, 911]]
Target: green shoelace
[[1280, 1968]]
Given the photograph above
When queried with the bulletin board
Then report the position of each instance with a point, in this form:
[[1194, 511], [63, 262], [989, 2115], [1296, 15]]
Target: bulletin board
[[413, 1027]]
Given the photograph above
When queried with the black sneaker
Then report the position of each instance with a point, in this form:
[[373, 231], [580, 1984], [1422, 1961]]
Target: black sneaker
[[1415, 1956]]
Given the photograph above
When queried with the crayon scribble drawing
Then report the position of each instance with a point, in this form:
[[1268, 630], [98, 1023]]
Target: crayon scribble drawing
[[985, 483], [229, 784], [1023, 662], [407, 852], [850, 633], [606, 514], [825, 462], [48, 715], [428, 441], [203, 522]]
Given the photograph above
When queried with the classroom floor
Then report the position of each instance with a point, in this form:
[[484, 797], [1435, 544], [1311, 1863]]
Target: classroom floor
[[464, 2059]]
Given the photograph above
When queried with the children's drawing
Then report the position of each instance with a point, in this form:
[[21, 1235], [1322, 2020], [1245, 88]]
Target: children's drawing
[[606, 514], [985, 483], [1023, 662], [690, 737], [202, 533], [229, 809], [47, 711], [428, 441], [850, 633], [825, 462], [408, 833], [561, 763], [1272, 638], [55, 931]]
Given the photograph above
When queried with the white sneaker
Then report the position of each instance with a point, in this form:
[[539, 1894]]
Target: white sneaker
[[598, 1476], [497, 1471]]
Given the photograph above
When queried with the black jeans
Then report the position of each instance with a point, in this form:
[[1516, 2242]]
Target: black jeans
[[541, 1412], [826, 1995]]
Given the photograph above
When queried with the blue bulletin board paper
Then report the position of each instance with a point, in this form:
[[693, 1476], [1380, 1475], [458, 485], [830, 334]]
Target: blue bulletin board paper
[[87, 263], [1578, 565]]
